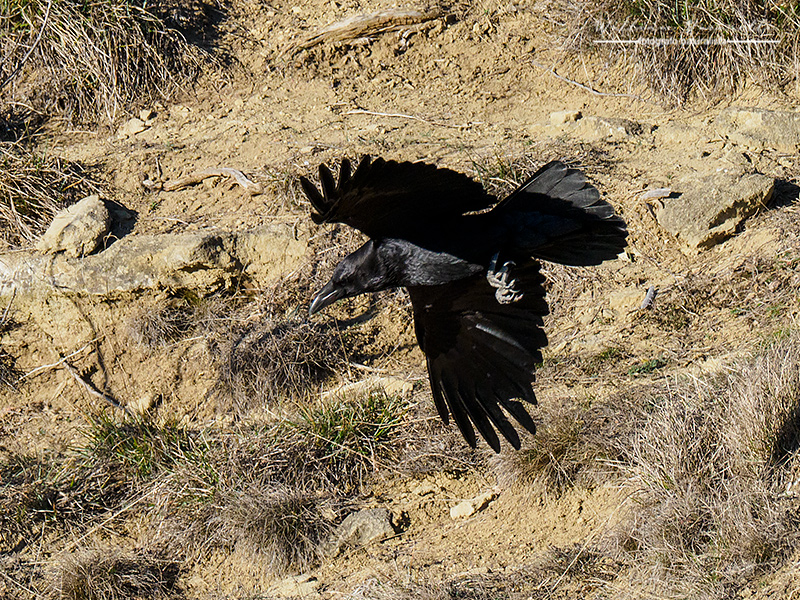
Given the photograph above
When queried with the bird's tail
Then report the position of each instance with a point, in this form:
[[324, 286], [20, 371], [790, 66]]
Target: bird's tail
[[557, 216]]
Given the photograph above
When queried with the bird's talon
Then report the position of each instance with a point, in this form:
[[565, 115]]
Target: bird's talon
[[501, 279], [507, 295]]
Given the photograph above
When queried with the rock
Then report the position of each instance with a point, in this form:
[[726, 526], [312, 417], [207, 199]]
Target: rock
[[709, 208], [564, 116], [131, 128], [679, 134], [204, 262], [359, 529], [147, 115], [760, 128], [607, 128], [626, 300], [467, 508], [297, 586], [77, 230]]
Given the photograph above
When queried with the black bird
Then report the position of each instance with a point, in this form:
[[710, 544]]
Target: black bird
[[469, 265]]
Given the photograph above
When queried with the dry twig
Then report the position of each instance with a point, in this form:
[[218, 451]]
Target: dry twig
[[93, 390], [589, 89], [250, 186], [359, 26]]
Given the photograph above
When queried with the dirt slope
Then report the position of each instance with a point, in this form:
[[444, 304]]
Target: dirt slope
[[475, 93]]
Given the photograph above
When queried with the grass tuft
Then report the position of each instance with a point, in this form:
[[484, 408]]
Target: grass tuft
[[94, 60], [285, 527], [158, 326], [575, 444], [136, 449], [272, 360], [111, 574], [344, 425], [696, 48], [709, 469]]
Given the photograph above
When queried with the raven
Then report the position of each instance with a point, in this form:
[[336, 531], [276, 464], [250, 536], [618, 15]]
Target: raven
[[469, 263]]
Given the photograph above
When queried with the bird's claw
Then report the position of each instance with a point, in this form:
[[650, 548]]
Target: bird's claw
[[501, 279]]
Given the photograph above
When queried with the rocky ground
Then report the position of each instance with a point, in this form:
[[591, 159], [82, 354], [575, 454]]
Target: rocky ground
[[709, 193]]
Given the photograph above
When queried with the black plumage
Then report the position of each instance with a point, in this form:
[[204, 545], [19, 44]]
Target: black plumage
[[470, 266]]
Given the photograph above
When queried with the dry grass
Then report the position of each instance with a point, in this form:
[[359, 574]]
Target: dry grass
[[711, 465], [158, 326], [283, 527], [95, 61], [696, 49], [273, 492], [709, 471], [576, 443], [33, 188], [111, 574], [557, 574], [272, 360], [426, 445], [276, 492]]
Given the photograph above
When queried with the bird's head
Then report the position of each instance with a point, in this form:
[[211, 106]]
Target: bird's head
[[368, 269]]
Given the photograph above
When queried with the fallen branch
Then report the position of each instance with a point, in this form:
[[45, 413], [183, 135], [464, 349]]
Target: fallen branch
[[93, 390], [365, 25], [177, 184]]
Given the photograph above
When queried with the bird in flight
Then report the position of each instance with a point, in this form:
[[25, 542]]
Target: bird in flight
[[470, 264]]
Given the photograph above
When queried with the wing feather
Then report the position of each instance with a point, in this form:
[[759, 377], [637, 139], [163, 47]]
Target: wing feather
[[481, 354], [413, 201]]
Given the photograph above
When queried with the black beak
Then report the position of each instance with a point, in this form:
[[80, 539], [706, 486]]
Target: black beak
[[327, 296]]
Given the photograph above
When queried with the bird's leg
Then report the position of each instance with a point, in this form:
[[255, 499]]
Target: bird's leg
[[501, 279]]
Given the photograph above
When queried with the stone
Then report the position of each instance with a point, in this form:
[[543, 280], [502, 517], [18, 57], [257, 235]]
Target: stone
[[760, 128], [707, 209], [564, 116], [77, 230], [607, 128], [204, 262], [130, 128], [467, 508], [359, 529], [679, 133]]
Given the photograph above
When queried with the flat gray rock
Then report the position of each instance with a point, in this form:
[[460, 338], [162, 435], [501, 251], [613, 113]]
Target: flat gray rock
[[78, 230], [707, 209], [759, 128]]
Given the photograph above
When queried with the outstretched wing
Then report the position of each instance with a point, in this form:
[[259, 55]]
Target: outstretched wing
[[390, 199], [557, 215], [481, 354]]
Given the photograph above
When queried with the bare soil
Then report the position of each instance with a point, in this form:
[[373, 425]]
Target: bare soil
[[473, 93]]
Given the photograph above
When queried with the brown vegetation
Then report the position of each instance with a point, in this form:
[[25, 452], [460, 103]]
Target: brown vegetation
[[687, 414]]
